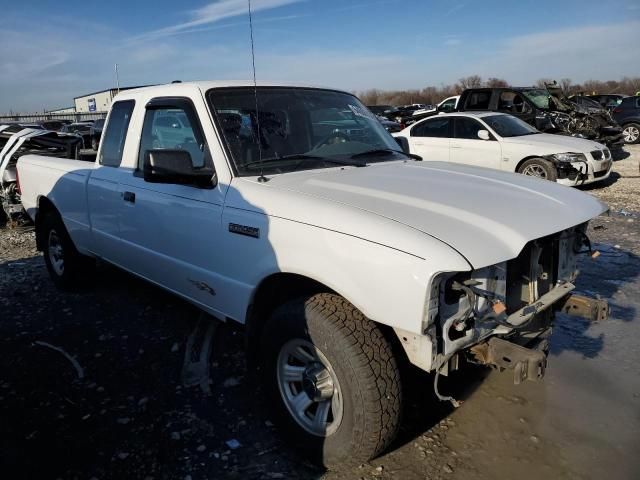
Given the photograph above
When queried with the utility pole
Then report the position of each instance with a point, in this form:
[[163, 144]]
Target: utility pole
[[117, 79]]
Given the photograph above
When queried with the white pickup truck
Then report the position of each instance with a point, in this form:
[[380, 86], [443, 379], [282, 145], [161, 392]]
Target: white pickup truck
[[290, 209]]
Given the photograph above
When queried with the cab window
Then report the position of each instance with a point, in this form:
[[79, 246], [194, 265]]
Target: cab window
[[170, 127]]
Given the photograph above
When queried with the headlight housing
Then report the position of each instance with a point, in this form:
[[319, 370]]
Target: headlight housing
[[569, 157]]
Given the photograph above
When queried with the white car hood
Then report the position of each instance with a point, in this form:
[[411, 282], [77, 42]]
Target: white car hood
[[557, 143], [486, 215]]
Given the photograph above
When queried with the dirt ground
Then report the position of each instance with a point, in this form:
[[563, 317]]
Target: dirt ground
[[120, 409]]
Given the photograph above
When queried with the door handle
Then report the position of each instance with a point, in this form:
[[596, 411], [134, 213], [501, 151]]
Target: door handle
[[456, 146], [129, 197]]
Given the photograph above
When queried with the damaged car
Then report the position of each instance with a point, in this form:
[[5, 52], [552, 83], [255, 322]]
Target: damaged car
[[547, 109], [16, 141], [504, 142]]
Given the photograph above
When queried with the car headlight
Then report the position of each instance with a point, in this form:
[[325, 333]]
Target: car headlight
[[569, 157]]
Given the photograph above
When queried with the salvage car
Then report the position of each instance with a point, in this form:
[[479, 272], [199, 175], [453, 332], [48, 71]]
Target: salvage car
[[547, 110], [504, 142], [95, 133], [81, 129], [627, 114], [343, 256], [17, 140], [445, 106]]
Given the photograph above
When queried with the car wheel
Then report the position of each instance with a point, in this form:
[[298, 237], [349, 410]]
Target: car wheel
[[94, 144], [540, 168], [66, 266], [631, 133], [331, 379]]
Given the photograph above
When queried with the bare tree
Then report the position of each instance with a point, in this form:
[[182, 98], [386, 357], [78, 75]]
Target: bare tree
[[472, 81], [496, 82]]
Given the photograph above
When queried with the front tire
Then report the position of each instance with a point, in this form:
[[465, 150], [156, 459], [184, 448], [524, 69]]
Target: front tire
[[539, 168], [66, 266], [631, 133], [331, 379]]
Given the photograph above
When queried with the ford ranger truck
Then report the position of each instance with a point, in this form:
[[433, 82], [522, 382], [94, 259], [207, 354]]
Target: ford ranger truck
[[293, 211]]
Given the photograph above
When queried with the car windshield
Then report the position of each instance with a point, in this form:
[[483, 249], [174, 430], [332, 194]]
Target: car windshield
[[539, 97], [298, 129], [508, 126]]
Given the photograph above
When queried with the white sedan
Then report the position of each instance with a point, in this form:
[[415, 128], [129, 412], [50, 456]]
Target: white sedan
[[503, 142]]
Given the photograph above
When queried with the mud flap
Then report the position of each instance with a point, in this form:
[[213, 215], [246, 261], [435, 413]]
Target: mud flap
[[526, 363]]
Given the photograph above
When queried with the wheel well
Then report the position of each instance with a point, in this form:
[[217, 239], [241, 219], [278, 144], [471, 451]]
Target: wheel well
[[278, 288], [45, 206], [525, 159]]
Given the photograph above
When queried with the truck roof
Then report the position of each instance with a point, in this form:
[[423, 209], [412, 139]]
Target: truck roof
[[183, 87]]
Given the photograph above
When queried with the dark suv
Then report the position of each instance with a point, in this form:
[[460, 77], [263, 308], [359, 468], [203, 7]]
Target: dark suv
[[547, 110], [627, 114]]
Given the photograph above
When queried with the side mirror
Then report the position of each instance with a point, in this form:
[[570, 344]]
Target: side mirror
[[484, 135], [175, 167]]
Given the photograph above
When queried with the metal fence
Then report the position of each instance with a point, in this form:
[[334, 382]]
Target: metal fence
[[37, 117]]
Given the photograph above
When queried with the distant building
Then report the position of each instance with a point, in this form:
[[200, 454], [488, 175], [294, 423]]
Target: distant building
[[98, 101]]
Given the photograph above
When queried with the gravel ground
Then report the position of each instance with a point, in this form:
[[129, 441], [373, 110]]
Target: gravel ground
[[123, 408]]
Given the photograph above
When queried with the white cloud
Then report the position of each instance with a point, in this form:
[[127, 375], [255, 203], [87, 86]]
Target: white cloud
[[213, 13]]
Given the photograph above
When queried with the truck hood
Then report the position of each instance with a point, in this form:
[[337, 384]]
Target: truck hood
[[486, 215], [558, 143]]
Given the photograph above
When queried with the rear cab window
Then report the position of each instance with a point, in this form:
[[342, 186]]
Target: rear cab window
[[478, 100], [116, 133]]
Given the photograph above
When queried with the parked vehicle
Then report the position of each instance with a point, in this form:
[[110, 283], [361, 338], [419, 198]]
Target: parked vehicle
[[96, 132], [54, 125], [445, 106], [17, 140], [344, 257], [82, 129], [608, 100], [627, 114], [547, 110], [504, 142], [381, 109], [389, 125]]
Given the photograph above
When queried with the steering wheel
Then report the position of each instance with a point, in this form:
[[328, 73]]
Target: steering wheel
[[332, 138]]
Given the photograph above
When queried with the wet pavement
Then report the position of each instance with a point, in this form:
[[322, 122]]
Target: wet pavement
[[131, 416]]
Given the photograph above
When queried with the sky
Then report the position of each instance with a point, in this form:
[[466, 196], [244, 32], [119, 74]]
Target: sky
[[51, 52]]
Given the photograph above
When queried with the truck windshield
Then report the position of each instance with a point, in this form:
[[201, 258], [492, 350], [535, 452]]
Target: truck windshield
[[297, 129], [539, 97], [508, 126]]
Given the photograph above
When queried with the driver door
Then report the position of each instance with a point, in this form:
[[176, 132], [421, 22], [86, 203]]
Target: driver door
[[469, 149], [172, 231]]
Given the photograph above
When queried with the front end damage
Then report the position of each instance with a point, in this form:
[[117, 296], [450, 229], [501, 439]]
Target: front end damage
[[502, 315], [567, 117]]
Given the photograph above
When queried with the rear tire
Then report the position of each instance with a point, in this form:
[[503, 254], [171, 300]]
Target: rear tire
[[66, 266], [94, 144], [631, 133], [331, 379], [539, 168]]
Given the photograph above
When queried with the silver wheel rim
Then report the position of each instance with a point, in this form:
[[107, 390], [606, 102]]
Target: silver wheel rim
[[309, 388], [631, 134], [56, 252], [534, 170]]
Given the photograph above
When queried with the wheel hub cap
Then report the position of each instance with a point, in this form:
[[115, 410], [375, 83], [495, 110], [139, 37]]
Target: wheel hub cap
[[56, 252], [309, 388], [317, 383]]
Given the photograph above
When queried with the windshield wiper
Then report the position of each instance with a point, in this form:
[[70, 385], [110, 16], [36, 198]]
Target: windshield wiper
[[304, 156], [384, 151]]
